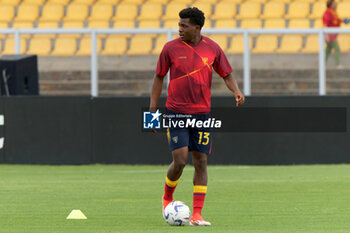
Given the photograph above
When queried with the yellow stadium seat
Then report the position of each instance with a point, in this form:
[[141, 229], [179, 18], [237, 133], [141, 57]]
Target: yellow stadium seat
[[76, 12], [115, 46], [308, 1], [221, 40], [233, 1], [3, 26], [226, 23], [126, 12], [23, 25], [149, 24], [34, 2], [7, 13], [72, 25], [266, 44], [344, 43], [112, 2], [58, 2], [64, 46], [207, 23], [258, 1], [318, 23], [205, 7], [39, 46], [163, 2], [251, 23], [135, 2], [343, 9], [224, 10], [237, 45], [273, 10], [275, 23], [311, 45], [150, 11], [98, 24], [297, 10], [172, 11], [249, 10], [46, 25], [52, 12], [290, 44], [171, 24], [206, 1], [86, 2], [85, 47], [10, 2], [27, 13], [318, 9], [187, 2], [140, 45], [299, 23], [282, 1], [9, 47], [123, 24], [160, 42], [101, 12]]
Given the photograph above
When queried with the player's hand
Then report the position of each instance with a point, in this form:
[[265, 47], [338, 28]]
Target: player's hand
[[239, 98]]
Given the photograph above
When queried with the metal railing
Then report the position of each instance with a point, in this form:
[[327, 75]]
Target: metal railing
[[169, 32]]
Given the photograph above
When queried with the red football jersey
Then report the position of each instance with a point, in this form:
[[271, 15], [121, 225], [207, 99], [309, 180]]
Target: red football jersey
[[191, 67], [331, 19]]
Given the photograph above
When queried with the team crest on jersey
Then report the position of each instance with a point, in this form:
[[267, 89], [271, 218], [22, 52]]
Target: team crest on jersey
[[175, 139], [205, 60]]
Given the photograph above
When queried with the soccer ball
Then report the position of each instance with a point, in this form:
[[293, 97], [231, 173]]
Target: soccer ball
[[177, 213]]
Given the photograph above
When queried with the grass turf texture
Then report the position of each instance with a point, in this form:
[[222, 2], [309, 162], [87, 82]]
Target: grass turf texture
[[128, 198]]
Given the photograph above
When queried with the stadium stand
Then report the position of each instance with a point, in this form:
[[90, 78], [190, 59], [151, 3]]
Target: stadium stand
[[51, 13], [275, 23], [10, 2], [226, 23], [237, 45], [27, 13], [150, 11], [34, 2], [46, 25], [249, 10], [23, 25], [171, 23], [311, 45], [140, 45], [224, 10], [273, 10], [101, 12], [318, 8], [76, 12], [39, 46], [297, 10], [172, 11], [115, 46], [251, 23], [72, 25], [9, 47], [221, 40], [125, 12], [205, 7], [64, 46], [7, 13], [59, 2], [290, 44], [344, 43], [86, 2], [266, 44], [343, 9], [160, 42], [85, 47]]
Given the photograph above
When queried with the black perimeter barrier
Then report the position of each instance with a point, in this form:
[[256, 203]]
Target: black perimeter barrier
[[85, 130]]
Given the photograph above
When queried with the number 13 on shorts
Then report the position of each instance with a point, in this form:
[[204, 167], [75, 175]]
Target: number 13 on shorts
[[203, 138]]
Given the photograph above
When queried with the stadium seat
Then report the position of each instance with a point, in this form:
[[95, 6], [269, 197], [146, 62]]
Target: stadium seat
[[85, 47], [318, 23], [7, 13], [273, 10], [344, 43], [112, 2], [23, 25], [140, 45], [274, 23], [226, 23], [187, 2], [115, 46], [124, 24], [205, 7], [101, 12], [58, 2], [160, 42], [46, 25], [27, 13], [311, 45], [64, 46], [86, 2], [249, 10], [52, 13], [149, 24], [172, 11], [299, 23], [298, 10], [282, 1], [135, 2], [251, 23], [125, 12], [72, 25], [221, 40], [266, 44], [39, 46], [99, 25], [4, 26], [224, 10], [206, 1], [237, 45], [171, 24], [318, 8], [163, 2], [76, 12], [34, 2], [343, 9], [258, 1], [233, 1], [150, 11], [10, 2], [308, 1], [9, 47], [290, 44]]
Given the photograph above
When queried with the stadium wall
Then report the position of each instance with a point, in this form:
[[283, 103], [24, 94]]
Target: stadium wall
[[85, 130]]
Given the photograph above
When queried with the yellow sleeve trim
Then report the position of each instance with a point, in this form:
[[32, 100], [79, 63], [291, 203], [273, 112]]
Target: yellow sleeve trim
[[199, 189], [171, 183]]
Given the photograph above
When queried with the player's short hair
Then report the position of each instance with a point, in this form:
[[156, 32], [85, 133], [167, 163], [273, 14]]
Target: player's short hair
[[329, 3], [195, 15]]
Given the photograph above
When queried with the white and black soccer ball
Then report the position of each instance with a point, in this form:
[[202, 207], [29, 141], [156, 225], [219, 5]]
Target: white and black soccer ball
[[177, 213]]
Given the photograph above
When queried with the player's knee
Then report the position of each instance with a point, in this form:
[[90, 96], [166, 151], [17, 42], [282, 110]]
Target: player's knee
[[200, 163], [179, 165]]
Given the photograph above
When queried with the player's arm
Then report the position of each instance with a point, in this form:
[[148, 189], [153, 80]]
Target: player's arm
[[231, 84], [156, 91]]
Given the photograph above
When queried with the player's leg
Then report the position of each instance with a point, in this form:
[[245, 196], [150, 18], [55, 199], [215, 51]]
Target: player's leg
[[336, 52], [328, 50]]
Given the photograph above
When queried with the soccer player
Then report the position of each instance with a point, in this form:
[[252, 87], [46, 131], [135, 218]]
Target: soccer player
[[191, 59], [331, 19]]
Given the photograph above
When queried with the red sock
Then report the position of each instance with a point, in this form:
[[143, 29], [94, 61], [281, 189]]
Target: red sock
[[169, 189], [199, 193]]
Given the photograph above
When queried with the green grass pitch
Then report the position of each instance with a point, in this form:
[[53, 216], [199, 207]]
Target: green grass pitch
[[127, 199]]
